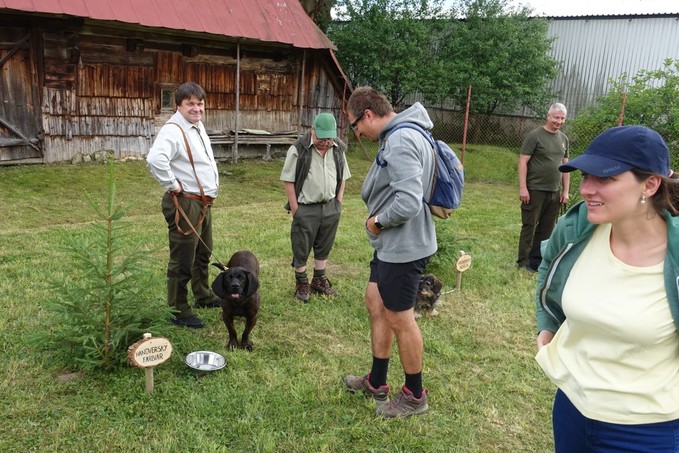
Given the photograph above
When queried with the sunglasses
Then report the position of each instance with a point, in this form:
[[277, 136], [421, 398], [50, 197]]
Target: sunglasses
[[354, 125]]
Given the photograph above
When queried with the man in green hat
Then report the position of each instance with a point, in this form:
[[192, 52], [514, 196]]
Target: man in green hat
[[314, 176]]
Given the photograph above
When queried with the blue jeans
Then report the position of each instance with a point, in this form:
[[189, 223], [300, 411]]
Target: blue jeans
[[575, 433]]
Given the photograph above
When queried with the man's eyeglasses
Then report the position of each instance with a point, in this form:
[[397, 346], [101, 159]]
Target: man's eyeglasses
[[354, 125]]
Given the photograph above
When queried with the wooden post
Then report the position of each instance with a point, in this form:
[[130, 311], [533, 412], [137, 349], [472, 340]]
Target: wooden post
[[302, 96], [148, 353], [148, 372], [462, 264], [234, 148]]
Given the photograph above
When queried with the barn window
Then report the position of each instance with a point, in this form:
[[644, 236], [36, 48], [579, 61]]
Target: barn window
[[167, 99], [263, 84]]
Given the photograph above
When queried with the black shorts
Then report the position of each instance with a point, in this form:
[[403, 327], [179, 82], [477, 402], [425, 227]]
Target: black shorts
[[397, 282]]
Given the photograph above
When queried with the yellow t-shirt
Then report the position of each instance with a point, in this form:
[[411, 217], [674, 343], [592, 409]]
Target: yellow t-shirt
[[616, 356]]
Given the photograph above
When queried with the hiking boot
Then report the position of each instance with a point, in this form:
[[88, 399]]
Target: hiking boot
[[302, 290], [404, 405], [322, 285], [193, 322], [362, 383]]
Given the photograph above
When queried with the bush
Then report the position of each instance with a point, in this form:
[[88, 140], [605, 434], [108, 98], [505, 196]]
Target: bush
[[651, 99]]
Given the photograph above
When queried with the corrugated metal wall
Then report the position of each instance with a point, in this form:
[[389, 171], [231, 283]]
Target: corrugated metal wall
[[593, 50]]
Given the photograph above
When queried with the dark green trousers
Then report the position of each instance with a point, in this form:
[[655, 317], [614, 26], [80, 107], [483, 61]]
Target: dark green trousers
[[189, 256], [538, 219], [314, 227]]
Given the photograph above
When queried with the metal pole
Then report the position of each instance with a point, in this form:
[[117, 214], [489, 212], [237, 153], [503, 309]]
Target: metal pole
[[466, 122], [621, 117]]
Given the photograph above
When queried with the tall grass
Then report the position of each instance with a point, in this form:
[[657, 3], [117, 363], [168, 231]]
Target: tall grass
[[486, 393]]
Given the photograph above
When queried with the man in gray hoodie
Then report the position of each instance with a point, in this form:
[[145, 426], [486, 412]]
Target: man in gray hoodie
[[401, 230]]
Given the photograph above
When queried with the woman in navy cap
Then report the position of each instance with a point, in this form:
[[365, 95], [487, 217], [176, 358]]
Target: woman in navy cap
[[608, 300]]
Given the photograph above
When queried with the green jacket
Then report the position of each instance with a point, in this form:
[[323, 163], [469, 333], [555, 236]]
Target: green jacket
[[559, 253]]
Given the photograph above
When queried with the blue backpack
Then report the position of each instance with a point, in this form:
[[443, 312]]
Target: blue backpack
[[448, 181]]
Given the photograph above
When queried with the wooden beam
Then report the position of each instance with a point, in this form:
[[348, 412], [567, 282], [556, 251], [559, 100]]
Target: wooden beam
[[14, 50], [19, 134], [7, 142], [234, 149]]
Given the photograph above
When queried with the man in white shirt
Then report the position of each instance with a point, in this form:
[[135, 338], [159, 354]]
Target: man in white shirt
[[191, 181]]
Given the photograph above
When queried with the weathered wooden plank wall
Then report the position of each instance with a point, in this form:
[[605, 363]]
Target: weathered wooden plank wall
[[103, 91], [98, 97]]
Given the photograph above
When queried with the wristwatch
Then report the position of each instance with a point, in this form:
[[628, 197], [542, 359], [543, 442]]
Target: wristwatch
[[378, 224]]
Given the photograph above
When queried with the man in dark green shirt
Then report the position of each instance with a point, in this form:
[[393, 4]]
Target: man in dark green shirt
[[542, 188]]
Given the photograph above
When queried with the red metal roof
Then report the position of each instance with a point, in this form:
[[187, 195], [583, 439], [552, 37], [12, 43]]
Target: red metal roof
[[281, 21]]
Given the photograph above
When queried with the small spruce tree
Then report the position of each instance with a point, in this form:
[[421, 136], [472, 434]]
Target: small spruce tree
[[104, 303]]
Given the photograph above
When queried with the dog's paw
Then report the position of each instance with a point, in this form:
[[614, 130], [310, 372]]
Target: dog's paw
[[247, 346], [418, 314], [232, 345], [434, 313]]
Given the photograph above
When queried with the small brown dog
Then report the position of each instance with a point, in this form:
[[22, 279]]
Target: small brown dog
[[428, 296], [238, 287]]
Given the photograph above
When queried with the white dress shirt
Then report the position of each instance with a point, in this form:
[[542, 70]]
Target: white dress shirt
[[168, 160]]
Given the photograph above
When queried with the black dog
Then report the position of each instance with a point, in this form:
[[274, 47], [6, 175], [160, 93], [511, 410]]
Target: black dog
[[428, 295], [238, 287]]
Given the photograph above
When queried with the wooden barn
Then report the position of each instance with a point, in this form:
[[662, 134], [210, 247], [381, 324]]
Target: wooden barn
[[80, 76]]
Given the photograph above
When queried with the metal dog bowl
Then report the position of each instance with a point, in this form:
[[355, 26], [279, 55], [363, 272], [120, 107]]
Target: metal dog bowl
[[205, 361]]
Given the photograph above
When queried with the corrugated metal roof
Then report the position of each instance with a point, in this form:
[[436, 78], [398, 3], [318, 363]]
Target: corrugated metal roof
[[281, 21], [674, 12]]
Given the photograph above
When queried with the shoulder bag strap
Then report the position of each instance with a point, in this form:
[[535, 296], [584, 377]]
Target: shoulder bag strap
[[431, 141], [188, 151], [179, 211]]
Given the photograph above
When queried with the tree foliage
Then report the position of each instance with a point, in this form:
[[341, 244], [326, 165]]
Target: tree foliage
[[386, 44], [319, 11], [651, 99], [501, 53], [412, 46]]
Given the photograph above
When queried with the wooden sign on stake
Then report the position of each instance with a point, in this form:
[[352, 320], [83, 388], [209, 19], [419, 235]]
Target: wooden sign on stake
[[148, 353], [462, 264]]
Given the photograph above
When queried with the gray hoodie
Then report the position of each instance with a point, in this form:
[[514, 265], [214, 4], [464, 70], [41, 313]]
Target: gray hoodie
[[394, 189]]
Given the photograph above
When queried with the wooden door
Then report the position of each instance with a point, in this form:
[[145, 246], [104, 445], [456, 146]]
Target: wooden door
[[20, 128]]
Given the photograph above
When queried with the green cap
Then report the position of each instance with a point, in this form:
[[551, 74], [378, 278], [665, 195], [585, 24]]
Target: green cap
[[325, 126]]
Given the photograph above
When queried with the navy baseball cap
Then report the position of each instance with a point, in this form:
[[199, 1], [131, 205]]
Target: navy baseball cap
[[620, 149]]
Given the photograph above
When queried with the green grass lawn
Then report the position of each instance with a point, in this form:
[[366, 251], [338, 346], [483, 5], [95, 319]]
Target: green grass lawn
[[486, 392]]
